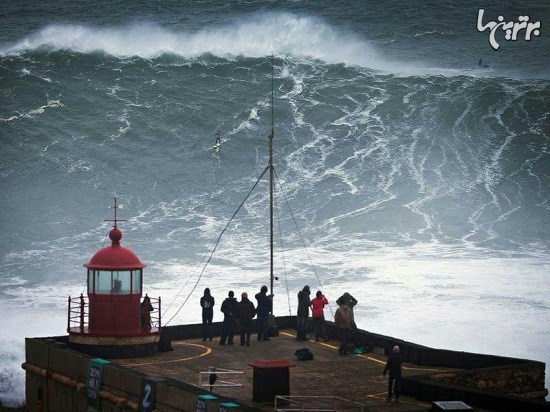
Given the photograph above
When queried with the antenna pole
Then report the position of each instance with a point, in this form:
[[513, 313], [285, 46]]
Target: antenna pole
[[271, 181], [115, 210], [272, 80]]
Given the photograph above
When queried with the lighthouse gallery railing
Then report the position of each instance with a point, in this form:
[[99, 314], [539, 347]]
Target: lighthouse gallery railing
[[78, 314]]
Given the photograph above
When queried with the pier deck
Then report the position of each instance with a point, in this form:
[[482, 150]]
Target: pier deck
[[357, 378]]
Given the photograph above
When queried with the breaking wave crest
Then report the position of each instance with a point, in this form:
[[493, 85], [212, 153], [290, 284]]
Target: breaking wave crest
[[259, 35]]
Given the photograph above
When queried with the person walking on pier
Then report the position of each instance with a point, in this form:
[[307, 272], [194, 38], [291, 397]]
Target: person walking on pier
[[246, 312], [343, 319], [207, 305], [229, 309], [393, 365], [303, 313], [263, 309], [317, 313]]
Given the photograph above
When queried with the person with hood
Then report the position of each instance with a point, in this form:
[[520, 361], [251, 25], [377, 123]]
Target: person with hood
[[264, 307], [229, 309], [246, 312], [303, 313], [393, 365], [146, 308], [317, 313], [207, 305], [343, 320], [346, 298], [350, 301]]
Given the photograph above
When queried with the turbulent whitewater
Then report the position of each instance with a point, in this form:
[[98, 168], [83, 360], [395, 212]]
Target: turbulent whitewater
[[406, 175]]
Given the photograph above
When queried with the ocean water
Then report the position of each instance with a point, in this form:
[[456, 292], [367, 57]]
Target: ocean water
[[406, 174]]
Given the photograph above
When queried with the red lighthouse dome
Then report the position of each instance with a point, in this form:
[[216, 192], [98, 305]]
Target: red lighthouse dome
[[114, 322], [115, 256]]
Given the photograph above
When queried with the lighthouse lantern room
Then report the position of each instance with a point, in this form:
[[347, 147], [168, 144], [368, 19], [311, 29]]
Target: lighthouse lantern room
[[113, 321]]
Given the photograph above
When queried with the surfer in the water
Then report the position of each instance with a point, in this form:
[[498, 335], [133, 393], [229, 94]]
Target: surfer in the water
[[481, 65], [218, 143]]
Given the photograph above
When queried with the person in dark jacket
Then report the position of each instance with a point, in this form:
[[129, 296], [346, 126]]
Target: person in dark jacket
[[246, 312], [303, 313], [207, 305], [146, 308], [263, 309], [229, 309], [393, 365]]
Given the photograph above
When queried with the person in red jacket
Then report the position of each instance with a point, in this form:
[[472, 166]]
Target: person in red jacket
[[317, 305]]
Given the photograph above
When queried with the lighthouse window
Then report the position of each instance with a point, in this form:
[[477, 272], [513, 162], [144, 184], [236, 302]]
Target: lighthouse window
[[136, 281], [90, 281], [121, 282], [103, 282]]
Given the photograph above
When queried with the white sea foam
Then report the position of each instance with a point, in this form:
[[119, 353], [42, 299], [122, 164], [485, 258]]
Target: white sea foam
[[13, 281], [33, 112], [21, 322], [258, 35]]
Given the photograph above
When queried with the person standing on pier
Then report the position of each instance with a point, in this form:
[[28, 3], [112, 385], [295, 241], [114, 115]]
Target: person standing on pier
[[393, 365], [263, 310], [303, 313], [343, 319], [317, 313], [146, 308], [207, 305], [229, 309], [350, 302], [246, 312]]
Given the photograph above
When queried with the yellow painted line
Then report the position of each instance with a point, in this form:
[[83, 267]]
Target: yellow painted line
[[381, 362], [410, 368], [328, 345], [207, 351], [378, 395], [309, 340], [371, 359]]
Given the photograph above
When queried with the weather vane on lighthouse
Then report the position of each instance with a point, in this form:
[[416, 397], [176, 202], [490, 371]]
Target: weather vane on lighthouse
[[115, 220]]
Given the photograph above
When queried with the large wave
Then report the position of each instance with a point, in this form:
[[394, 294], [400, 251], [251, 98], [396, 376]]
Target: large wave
[[257, 35]]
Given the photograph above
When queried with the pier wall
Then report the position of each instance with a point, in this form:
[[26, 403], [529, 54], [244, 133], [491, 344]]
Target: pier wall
[[56, 381], [521, 379]]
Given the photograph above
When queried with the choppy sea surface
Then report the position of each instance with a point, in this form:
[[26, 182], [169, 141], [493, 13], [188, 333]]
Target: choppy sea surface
[[406, 174]]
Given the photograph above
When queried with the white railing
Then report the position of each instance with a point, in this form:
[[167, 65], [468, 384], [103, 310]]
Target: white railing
[[220, 377]]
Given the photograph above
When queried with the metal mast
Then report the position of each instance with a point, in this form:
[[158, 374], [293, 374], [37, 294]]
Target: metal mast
[[271, 182]]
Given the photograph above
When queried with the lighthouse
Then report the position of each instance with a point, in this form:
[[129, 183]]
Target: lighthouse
[[114, 320]]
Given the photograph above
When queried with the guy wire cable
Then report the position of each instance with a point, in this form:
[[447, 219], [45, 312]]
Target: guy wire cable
[[216, 245], [301, 237], [182, 287], [283, 256]]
